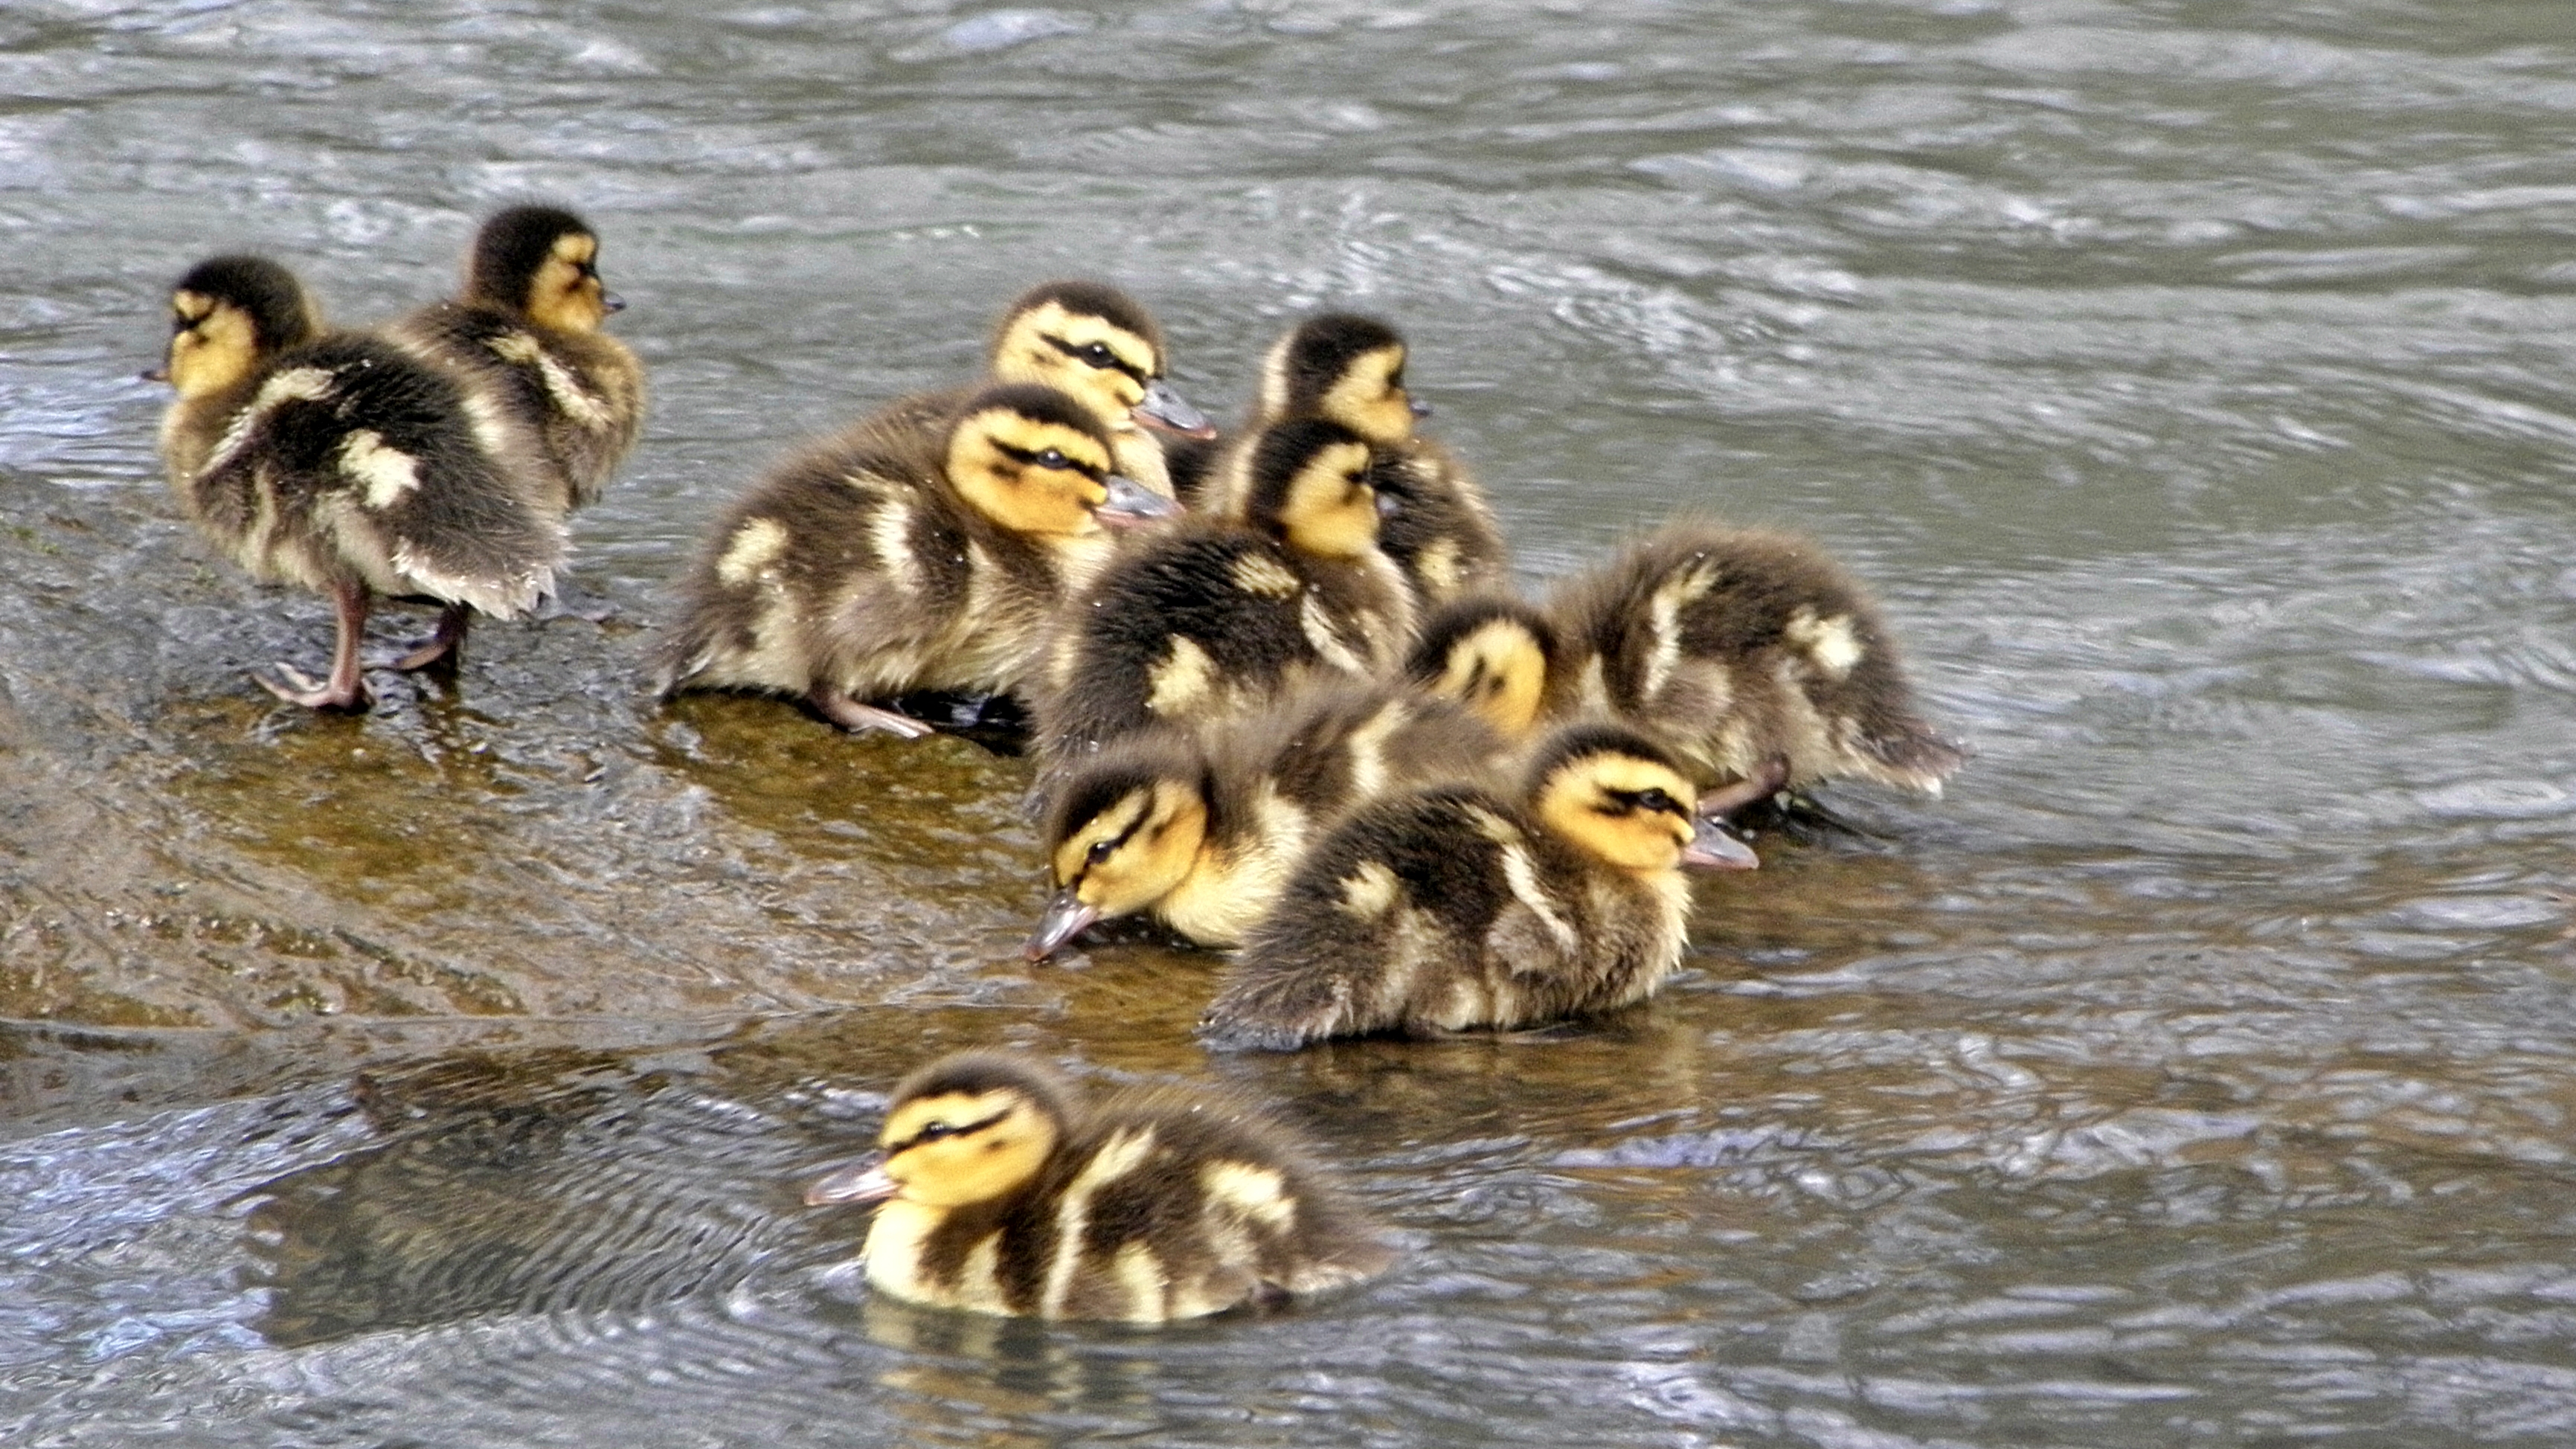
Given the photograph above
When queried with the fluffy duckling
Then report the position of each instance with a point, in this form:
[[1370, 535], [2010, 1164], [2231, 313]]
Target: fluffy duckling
[[1003, 1192], [337, 461], [1455, 907], [885, 560], [1101, 346], [1211, 620], [1750, 654], [1202, 833], [527, 326], [1438, 527]]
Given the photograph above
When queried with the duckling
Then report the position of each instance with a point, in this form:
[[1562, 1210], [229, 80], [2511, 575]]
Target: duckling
[[337, 461], [1210, 620], [1101, 346], [1202, 831], [1438, 528], [1006, 1193], [1457, 907], [527, 326], [886, 560]]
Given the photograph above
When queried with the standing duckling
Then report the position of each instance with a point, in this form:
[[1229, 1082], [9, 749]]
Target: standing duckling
[[1099, 345], [1202, 832], [527, 326], [1004, 1193], [1455, 907], [882, 561], [1210, 620], [1438, 527], [337, 461]]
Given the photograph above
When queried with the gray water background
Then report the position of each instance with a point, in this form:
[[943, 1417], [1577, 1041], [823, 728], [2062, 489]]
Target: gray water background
[[2188, 379]]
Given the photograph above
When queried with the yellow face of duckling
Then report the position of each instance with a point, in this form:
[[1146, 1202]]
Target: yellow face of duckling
[[1101, 364], [1631, 813], [213, 344], [1369, 398], [1135, 852], [1028, 474], [1499, 671], [1328, 508], [566, 292], [957, 1148]]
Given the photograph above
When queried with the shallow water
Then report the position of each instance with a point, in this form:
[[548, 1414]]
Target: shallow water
[[2187, 378]]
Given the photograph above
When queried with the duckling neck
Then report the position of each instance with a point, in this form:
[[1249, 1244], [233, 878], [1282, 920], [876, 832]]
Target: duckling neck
[[1242, 866]]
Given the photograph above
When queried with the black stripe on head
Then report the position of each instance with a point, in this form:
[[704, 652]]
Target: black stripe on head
[[1322, 349], [1583, 741], [1119, 770], [1039, 403], [1091, 299], [266, 292], [1279, 452], [510, 248], [971, 1074], [1459, 618]]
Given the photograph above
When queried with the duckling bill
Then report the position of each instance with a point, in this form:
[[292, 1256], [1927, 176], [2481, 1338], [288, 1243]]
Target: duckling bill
[[1004, 1191]]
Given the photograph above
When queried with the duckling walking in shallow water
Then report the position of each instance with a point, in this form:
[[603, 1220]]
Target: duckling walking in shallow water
[[888, 560], [1210, 620], [1456, 907], [1003, 1192], [337, 461], [527, 326]]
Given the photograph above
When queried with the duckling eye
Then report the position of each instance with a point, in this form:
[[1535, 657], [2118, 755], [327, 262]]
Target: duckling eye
[[1052, 459], [1099, 852], [1657, 801], [1098, 354], [933, 1131]]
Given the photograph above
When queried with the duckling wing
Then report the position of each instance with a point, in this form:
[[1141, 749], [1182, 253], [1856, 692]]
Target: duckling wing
[[1436, 523], [581, 394], [356, 459]]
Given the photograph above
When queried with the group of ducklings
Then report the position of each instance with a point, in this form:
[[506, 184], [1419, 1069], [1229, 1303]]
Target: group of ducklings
[[1283, 697]]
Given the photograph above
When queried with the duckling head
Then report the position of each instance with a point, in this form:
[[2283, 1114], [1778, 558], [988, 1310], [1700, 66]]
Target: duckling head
[[541, 263], [1097, 343], [1035, 461], [966, 1129], [1306, 484], [1343, 367], [1615, 795], [1124, 833], [227, 315], [1492, 654]]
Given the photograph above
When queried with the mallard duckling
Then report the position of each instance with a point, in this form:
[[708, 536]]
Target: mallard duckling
[[1750, 654], [1202, 832], [883, 561], [1456, 907], [337, 461], [528, 326], [1003, 1192], [1101, 346], [1211, 620], [1438, 528]]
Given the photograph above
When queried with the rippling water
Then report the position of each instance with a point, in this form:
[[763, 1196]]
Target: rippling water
[[2189, 379]]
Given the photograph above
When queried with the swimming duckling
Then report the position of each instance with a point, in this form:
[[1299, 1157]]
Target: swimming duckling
[[884, 560], [1211, 620], [1003, 1192], [1101, 346], [337, 461], [1438, 527], [528, 326], [1202, 832], [1455, 907]]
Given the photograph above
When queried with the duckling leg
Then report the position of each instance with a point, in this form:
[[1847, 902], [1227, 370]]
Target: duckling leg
[[859, 718], [1765, 782], [447, 643], [344, 690]]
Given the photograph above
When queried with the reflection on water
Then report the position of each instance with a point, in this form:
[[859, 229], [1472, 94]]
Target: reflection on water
[[2189, 382]]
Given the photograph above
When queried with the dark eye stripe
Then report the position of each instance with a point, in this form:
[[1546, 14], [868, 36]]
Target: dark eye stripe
[[1115, 361], [938, 1130], [1030, 457]]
